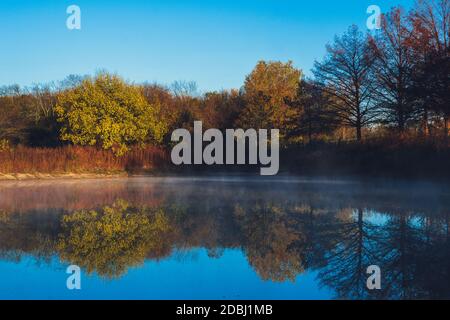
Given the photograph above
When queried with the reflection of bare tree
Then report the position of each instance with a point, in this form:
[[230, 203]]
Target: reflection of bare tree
[[320, 229], [348, 261], [416, 257], [412, 251], [399, 251], [271, 241], [434, 271]]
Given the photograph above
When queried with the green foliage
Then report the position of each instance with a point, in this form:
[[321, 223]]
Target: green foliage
[[107, 112]]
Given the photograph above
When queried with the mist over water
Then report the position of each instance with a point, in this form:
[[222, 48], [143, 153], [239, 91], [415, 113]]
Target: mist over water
[[224, 237]]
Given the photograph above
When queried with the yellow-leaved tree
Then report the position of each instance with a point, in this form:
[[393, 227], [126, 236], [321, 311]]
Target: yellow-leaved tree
[[268, 90], [106, 111]]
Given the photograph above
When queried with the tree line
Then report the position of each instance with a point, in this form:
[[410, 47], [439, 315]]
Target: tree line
[[394, 81]]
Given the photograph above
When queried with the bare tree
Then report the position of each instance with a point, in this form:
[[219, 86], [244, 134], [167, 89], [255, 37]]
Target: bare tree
[[393, 69], [345, 75], [71, 81], [315, 117], [45, 99], [182, 89], [431, 43]]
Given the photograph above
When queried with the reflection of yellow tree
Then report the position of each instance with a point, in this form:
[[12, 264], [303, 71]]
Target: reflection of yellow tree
[[4, 217], [110, 241], [272, 242]]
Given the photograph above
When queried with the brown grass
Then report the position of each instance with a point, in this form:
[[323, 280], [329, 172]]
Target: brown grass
[[72, 159]]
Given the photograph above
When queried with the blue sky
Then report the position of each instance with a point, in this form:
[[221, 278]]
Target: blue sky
[[215, 43]]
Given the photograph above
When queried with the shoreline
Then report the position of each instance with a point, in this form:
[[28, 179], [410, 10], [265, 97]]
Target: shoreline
[[237, 175], [59, 176]]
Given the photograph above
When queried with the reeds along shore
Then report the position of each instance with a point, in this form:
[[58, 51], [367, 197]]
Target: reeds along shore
[[377, 157], [73, 159]]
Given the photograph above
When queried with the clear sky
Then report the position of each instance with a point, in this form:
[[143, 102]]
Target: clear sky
[[215, 43]]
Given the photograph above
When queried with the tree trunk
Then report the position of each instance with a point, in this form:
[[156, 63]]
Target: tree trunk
[[426, 129], [401, 119], [446, 127], [358, 125], [358, 133], [344, 133], [360, 252], [309, 132]]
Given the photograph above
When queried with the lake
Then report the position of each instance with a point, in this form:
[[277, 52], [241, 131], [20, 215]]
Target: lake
[[224, 238]]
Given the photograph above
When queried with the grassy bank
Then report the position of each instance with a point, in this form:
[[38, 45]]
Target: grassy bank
[[23, 162]]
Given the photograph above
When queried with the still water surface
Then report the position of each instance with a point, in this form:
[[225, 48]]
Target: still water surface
[[223, 238]]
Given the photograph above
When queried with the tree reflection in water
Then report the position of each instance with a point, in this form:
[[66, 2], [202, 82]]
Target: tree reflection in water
[[283, 234], [112, 240], [272, 241]]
